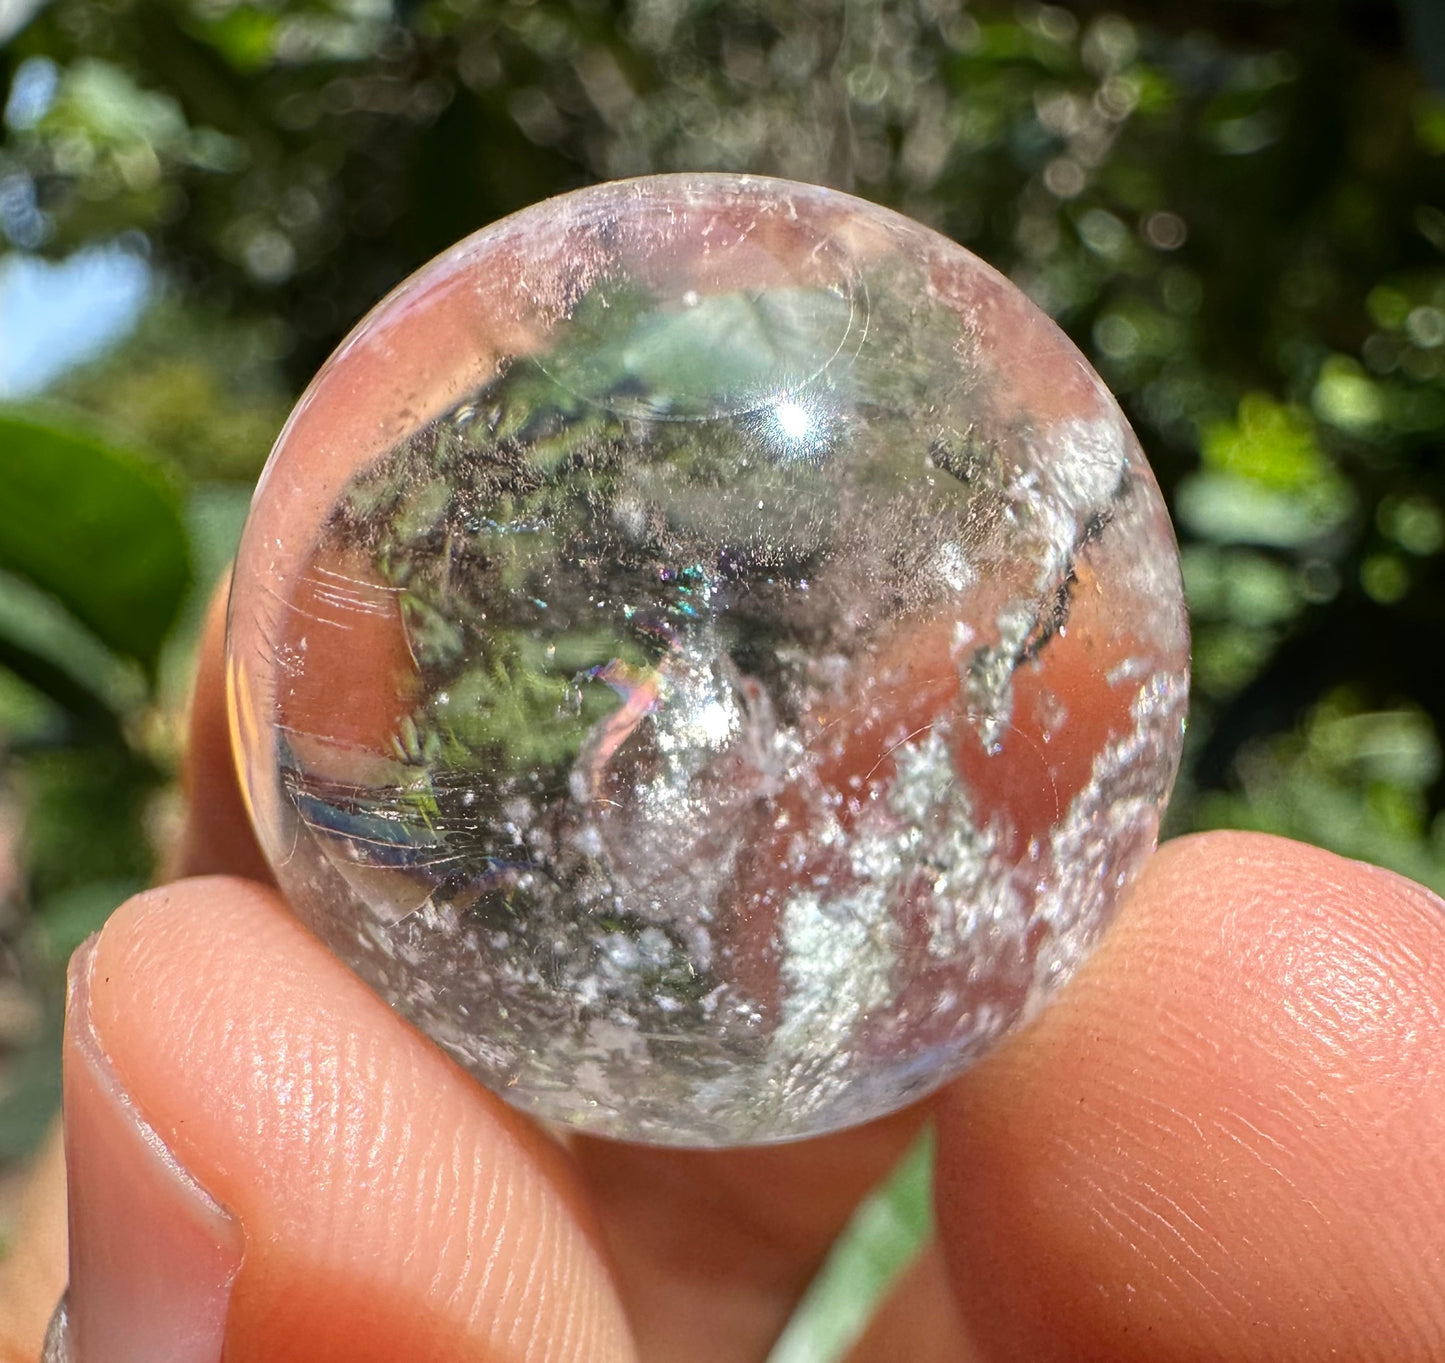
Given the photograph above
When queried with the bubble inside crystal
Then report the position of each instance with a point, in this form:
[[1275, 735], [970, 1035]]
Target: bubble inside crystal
[[710, 653]]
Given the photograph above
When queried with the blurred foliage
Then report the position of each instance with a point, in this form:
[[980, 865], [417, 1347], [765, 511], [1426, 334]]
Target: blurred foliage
[[96, 530], [199, 392], [1236, 207]]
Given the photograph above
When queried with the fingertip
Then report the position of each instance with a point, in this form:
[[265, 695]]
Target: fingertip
[[152, 1255], [390, 1208], [1200, 1149]]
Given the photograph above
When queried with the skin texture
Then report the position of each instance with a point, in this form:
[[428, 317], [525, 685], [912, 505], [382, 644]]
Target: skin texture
[[1232, 1147], [1221, 1142]]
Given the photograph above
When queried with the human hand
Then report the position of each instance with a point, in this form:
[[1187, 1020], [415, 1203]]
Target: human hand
[[1222, 1141]]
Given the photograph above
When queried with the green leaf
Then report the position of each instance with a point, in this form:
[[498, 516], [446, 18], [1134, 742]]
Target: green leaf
[[1231, 509], [42, 643], [1270, 443], [31, 1097], [245, 36], [27, 715], [95, 527], [65, 919], [51, 682]]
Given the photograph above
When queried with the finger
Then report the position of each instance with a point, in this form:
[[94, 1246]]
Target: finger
[[713, 1249], [386, 1207], [1223, 1141], [216, 838]]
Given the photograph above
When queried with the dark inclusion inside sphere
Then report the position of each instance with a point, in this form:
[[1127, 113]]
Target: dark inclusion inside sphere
[[710, 653]]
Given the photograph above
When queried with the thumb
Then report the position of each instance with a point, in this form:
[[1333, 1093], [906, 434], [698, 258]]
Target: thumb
[[266, 1164]]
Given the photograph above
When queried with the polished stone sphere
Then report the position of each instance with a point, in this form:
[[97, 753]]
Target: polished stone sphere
[[710, 653]]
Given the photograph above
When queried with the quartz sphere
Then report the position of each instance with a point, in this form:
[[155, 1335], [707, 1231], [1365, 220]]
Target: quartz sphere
[[710, 653]]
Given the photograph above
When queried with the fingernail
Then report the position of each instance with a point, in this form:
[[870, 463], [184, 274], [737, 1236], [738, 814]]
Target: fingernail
[[152, 1255]]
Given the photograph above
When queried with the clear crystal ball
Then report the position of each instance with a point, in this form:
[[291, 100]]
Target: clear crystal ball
[[710, 653]]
